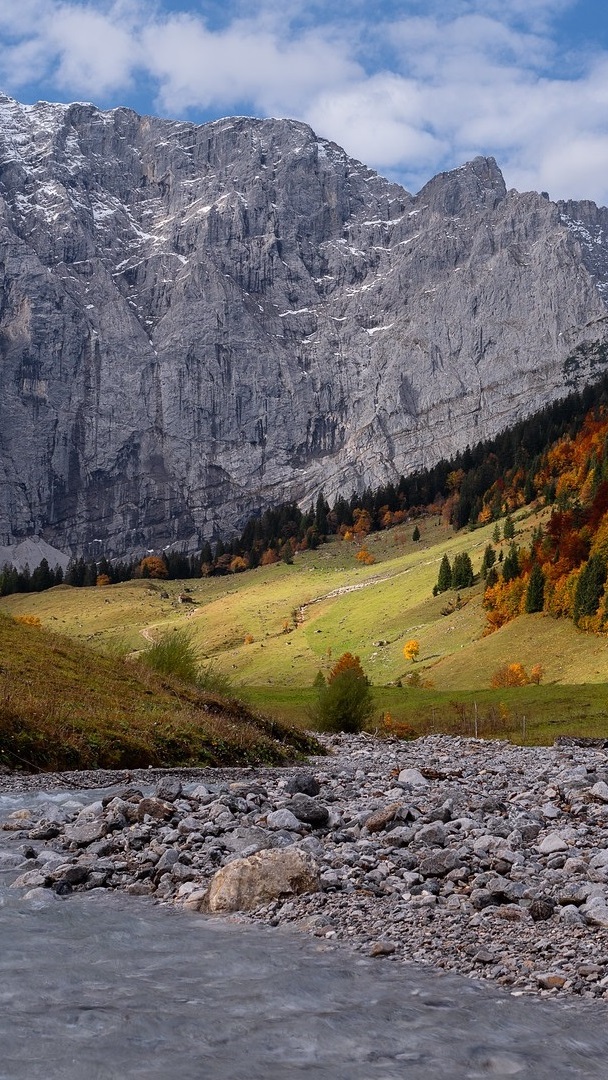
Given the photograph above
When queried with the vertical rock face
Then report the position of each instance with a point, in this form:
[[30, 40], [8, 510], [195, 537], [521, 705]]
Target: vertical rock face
[[196, 321]]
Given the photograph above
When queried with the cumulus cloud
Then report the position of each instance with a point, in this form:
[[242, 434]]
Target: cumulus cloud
[[247, 62], [416, 86]]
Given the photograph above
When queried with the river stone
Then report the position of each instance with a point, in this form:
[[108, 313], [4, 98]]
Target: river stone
[[157, 809], [167, 859], [433, 835], [87, 833], [552, 844], [439, 863], [413, 778], [283, 819], [10, 859], [242, 838], [379, 819], [32, 878], [309, 810], [596, 911], [304, 783], [249, 883], [168, 788]]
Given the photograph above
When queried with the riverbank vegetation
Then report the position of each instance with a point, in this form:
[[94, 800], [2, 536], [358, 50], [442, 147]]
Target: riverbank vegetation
[[63, 706]]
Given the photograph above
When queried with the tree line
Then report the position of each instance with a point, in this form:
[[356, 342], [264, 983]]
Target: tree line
[[476, 486]]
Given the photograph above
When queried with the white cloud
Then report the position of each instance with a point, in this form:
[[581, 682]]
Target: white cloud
[[414, 87], [248, 61]]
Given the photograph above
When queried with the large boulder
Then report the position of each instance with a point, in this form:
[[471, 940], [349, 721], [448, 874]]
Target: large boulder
[[245, 884]]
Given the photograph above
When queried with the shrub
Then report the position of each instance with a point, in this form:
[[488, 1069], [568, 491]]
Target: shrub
[[28, 620], [213, 681], [173, 654], [397, 729], [536, 674], [344, 703], [364, 556]]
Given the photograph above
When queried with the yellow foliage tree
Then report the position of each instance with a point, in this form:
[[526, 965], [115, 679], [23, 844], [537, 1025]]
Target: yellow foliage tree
[[509, 675], [103, 579], [152, 567], [411, 649], [364, 556], [536, 673]]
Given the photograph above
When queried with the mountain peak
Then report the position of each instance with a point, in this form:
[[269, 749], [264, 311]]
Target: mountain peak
[[201, 320]]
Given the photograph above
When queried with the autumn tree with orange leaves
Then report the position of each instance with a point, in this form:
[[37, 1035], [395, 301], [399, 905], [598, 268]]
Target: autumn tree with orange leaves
[[344, 702]]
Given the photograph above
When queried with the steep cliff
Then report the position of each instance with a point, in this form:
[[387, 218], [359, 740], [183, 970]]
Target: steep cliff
[[199, 320]]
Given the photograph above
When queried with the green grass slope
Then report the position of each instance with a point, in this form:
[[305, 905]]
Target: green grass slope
[[63, 706], [272, 629]]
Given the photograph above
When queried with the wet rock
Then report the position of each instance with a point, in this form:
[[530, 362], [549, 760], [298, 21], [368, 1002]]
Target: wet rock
[[595, 911], [383, 948], [81, 835]]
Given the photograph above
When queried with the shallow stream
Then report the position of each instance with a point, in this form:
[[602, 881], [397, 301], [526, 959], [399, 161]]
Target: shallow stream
[[97, 986]]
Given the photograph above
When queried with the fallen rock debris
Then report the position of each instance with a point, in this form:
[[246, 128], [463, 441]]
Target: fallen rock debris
[[479, 857]]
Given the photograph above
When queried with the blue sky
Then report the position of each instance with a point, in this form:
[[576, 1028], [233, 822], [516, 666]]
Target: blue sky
[[409, 87]]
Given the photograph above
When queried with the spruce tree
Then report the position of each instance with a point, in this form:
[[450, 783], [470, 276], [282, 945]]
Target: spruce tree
[[462, 571], [508, 530], [416, 534], [489, 558], [511, 568], [589, 587], [492, 577], [535, 593], [444, 581]]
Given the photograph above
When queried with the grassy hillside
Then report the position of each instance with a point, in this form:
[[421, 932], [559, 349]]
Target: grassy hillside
[[63, 706], [301, 617]]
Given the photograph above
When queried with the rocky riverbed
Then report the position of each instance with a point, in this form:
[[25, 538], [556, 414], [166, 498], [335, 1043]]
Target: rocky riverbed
[[478, 857]]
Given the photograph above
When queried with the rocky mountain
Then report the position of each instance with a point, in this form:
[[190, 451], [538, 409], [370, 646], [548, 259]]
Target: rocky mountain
[[197, 321]]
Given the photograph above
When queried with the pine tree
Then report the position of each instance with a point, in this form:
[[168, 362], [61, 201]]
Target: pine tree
[[589, 587], [535, 593], [510, 567], [496, 534], [508, 530], [444, 581], [489, 558], [492, 577], [462, 571], [416, 534]]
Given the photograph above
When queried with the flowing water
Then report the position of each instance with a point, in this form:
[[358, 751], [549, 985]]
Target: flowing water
[[101, 987]]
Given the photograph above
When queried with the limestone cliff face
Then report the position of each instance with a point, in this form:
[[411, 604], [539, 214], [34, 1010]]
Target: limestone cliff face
[[196, 321]]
